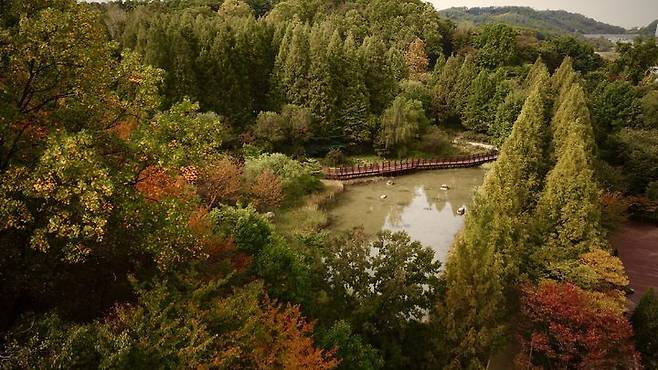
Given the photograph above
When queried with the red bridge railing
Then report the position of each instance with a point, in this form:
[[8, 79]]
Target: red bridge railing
[[391, 168]]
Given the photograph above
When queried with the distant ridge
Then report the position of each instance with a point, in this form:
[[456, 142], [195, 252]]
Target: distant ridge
[[650, 30], [551, 21]]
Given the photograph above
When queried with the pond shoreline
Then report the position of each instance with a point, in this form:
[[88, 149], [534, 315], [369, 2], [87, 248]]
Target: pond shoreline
[[637, 245]]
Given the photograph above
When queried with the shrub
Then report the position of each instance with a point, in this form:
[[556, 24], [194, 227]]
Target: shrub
[[266, 191], [220, 182], [250, 230], [296, 179]]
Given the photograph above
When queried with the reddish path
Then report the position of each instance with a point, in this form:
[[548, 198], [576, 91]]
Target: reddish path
[[637, 244], [400, 167]]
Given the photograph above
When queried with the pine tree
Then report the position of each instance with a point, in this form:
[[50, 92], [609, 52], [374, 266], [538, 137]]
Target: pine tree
[[294, 76], [537, 70], [379, 79], [562, 80], [460, 92], [568, 215], [277, 94], [514, 181], [443, 89], [472, 313], [322, 98], [487, 260], [573, 117], [354, 102], [480, 106]]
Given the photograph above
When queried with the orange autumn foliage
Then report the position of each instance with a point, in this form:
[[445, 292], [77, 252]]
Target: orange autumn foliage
[[155, 183], [220, 182], [266, 191], [287, 342]]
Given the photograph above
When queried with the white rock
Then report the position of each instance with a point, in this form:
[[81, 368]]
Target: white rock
[[383, 197], [461, 211], [445, 187]]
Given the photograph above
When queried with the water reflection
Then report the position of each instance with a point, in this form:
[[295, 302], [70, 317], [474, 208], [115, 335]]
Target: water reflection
[[415, 204]]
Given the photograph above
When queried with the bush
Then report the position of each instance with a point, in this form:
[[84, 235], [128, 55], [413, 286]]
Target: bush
[[645, 326], [334, 158], [296, 179], [220, 182], [250, 230], [435, 142], [266, 192]]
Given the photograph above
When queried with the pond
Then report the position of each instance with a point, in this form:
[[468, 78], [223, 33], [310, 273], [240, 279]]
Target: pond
[[414, 203]]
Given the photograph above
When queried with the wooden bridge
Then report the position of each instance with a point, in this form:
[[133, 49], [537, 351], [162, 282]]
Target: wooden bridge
[[393, 168]]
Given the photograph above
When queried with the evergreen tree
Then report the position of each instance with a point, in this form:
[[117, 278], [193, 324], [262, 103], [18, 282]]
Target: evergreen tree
[[461, 91], [537, 70], [354, 102], [442, 93], [514, 181], [322, 99], [506, 114], [378, 76], [295, 67], [480, 107], [562, 80], [568, 215], [645, 327], [472, 313], [572, 117], [488, 258]]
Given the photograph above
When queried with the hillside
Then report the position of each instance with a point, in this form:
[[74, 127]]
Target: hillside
[[649, 30], [554, 21]]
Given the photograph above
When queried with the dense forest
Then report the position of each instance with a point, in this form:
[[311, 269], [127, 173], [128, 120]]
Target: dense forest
[[148, 150], [549, 21]]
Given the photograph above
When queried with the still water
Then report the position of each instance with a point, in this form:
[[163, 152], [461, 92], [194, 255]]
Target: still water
[[414, 203]]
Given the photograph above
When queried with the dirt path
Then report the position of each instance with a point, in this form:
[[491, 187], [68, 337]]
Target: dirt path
[[637, 244]]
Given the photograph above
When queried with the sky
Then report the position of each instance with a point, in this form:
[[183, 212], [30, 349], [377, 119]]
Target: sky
[[625, 13]]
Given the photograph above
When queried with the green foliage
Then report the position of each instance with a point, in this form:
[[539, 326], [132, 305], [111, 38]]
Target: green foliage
[[287, 131], [615, 105], [636, 58], [296, 178], [506, 114], [546, 21], [497, 46], [638, 151], [481, 105], [510, 188], [645, 325], [582, 54], [568, 212], [355, 353], [380, 287], [181, 136], [649, 105], [250, 231], [401, 125], [573, 118], [73, 190], [174, 324], [472, 312], [443, 95]]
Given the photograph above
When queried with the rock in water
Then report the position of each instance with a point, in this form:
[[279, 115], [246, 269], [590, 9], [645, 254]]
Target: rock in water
[[461, 211], [383, 197], [445, 187]]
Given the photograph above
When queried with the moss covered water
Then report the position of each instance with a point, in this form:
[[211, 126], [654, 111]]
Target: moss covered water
[[414, 203]]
